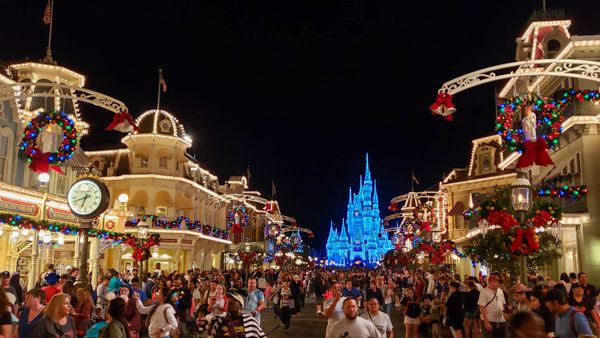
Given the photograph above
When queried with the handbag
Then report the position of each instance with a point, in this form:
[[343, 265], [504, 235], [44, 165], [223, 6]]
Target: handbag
[[172, 333]]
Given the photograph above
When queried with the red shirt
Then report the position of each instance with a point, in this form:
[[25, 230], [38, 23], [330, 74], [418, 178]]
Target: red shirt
[[50, 291]]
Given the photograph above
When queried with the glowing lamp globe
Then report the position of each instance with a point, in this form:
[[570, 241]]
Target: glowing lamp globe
[[44, 177], [123, 198]]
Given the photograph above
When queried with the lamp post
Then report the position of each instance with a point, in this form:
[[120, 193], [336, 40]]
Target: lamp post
[[142, 234], [520, 199]]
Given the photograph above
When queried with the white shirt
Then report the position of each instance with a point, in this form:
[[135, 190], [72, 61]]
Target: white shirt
[[495, 308], [338, 313], [382, 322], [354, 328], [262, 283], [162, 321]]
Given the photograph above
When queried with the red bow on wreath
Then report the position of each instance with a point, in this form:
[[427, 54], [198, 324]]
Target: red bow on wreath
[[40, 163], [122, 122], [525, 241], [535, 152], [503, 219], [443, 106]]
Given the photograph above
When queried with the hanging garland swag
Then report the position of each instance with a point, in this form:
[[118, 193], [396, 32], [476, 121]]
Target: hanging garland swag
[[41, 162], [141, 248]]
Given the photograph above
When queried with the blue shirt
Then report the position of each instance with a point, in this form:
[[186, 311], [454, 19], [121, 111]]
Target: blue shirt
[[142, 294], [563, 328], [114, 284], [354, 292], [251, 302]]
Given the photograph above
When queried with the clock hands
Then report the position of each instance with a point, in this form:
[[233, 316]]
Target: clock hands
[[83, 198]]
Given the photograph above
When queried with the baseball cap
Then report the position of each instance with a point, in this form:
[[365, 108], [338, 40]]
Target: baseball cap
[[237, 297], [5, 274], [51, 278]]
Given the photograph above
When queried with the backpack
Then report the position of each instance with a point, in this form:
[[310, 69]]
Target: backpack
[[413, 309]]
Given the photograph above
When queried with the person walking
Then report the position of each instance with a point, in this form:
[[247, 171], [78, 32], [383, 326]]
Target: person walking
[[333, 308], [286, 304], [381, 320], [117, 324], [491, 306], [454, 316], [32, 313], [56, 322], [255, 301], [234, 323], [353, 326], [568, 322], [161, 319]]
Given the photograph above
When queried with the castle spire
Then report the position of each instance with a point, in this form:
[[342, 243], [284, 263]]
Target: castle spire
[[343, 233], [349, 196], [367, 171]]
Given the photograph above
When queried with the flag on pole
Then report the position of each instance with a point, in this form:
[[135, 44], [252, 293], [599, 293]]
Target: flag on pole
[[162, 82], [48, 13], [273, 190], [248, 173], [414, 178]]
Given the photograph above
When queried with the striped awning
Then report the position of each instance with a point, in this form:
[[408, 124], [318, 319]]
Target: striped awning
[[457, 209]]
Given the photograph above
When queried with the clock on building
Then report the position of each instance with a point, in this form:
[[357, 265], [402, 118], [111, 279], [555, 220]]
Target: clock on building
[[88, 197]]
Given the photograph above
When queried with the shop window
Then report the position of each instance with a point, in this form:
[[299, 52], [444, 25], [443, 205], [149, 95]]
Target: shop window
[[3, 156], [162, 162]]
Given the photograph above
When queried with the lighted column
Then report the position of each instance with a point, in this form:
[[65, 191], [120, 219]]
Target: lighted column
[[33, 266]]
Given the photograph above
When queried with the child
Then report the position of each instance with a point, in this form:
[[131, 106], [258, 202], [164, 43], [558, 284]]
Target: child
[[436, 323], [202, 319], [268, 290]]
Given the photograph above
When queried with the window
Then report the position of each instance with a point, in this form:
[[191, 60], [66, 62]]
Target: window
[[162, 162], [3, 155], [143, 161], [61, 185]]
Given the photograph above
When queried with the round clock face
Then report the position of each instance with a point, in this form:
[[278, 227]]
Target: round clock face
[[86, 197]]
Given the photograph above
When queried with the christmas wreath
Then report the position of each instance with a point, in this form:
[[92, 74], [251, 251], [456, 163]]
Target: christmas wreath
[[237, 218], [541, 123], [272, 230], [40, 161], [141, 247], [521, 239]]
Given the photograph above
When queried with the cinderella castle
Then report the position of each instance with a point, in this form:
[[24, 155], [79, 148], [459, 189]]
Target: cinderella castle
[[361, 239]]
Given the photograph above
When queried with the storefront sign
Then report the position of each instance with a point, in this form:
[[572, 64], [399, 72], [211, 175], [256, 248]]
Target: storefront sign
[[168, 240], [60, 215], [19, 207], [186, 241]]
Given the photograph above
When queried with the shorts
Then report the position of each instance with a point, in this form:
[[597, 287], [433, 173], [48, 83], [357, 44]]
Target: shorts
[[436, 329], [410, 320], [471, 315]]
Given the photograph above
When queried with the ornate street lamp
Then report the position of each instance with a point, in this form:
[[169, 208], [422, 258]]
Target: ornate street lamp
[[520, 200], [520, 194], [142, 234]]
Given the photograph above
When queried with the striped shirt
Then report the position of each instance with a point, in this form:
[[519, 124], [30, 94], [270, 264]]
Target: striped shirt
[[223, 326]]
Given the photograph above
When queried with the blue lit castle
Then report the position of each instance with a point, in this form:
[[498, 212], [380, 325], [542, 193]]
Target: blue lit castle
[[361, 239]]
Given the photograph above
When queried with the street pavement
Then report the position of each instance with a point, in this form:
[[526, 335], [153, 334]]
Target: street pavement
[[307, 324]]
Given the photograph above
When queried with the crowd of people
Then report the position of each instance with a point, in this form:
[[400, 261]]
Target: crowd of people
[[355, 303]]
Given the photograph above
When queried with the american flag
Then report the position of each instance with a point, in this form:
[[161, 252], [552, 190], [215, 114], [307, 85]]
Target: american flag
[[48, 13], [162, 82]]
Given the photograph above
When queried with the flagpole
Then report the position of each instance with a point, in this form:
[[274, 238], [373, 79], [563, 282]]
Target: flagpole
[[48, 58], [158, 100], [412, 181]]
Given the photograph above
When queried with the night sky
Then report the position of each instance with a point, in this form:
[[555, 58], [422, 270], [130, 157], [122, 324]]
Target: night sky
[[298, 90]]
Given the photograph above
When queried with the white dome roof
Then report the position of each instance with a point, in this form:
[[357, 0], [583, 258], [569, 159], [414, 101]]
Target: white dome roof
[[159, 122]]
